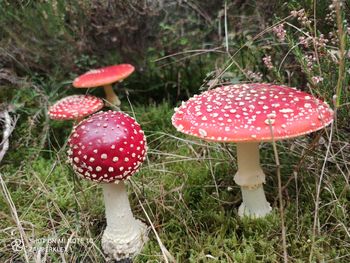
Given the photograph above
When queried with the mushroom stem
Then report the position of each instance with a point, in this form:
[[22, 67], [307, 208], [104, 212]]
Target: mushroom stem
[[124, 235], [251, 177], [111, 96]]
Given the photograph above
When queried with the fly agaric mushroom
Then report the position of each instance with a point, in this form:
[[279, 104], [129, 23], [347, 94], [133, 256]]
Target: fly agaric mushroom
[[105, 77], [108, 148], [246, 114], [75, 107]]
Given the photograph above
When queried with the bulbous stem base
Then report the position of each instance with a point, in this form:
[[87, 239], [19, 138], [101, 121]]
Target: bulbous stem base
[[254, 203], [119, 247], [124, 235]]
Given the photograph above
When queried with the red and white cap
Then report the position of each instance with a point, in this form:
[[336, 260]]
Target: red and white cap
[[75, 107], [246, 113], [107, 147], [103, 76]]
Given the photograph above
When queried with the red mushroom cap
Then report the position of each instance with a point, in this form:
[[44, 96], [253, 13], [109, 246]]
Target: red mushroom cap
[[107, 147], [103, 76], [237, 113], [75, 107]]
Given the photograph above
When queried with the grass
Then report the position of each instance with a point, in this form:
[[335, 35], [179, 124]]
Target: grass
[[186, 187]]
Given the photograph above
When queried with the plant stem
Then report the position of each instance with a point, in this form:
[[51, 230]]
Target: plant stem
[[342, 40]]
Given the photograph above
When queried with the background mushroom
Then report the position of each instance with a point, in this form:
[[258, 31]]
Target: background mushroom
[[75, 107], [108, 148], [249, 114], [105, 77]]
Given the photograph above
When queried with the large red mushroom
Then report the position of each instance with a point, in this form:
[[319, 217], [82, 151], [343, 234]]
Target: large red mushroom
[[108, 148], [249, 114], [105, 77]]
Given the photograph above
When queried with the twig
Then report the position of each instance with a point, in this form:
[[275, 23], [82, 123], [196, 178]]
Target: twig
[[213, 175], [342, 43], [318, 192], [278, 168], [226, 29], [9, 125]]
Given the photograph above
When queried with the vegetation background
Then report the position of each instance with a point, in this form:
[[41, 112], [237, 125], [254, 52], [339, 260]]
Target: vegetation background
[[186, 186]]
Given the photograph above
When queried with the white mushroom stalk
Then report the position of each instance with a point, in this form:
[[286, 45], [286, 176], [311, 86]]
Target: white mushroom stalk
[[124, 235], [250, 177], [111, 97]]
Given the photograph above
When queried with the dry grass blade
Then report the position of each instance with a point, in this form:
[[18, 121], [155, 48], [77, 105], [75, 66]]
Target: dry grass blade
[[166, 254], [226, 29], [315, 230], [283, 227], [24, 239], [9, 125]]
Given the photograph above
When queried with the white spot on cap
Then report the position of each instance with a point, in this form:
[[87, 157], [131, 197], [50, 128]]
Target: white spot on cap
[[202, 132], [286, 110], [271, 115]]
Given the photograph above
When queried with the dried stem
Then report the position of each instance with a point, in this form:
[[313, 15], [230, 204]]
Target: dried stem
[[9, 125], [315, 230], [342, 40], [278, 168], [168, 258]]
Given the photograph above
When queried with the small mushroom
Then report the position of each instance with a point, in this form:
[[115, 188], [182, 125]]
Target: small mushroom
[[75, 107], [250, 114], [108, 148], [105, 77]]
